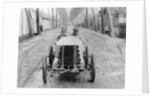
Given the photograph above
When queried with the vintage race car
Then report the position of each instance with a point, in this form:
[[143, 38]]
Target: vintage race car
[[69, 55]]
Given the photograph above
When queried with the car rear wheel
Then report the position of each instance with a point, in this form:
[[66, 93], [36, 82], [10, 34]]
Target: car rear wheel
[[44, 70], [51, 57], [86, 57], [92, 69]]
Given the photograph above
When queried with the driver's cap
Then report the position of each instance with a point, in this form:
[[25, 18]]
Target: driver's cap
[[63, 29]]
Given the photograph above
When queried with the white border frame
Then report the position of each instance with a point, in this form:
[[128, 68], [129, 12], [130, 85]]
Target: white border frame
[[134, 50]]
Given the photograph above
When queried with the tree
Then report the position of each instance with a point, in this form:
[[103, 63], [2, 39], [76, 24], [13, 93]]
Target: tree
[[75, 13], [37, 21], [21, 22], [86, 18], [102, 20], [98, 20], [49, 18], [28, 14], [110, 22], [63, 16], [56, 18], [53, 18], [94, 20]]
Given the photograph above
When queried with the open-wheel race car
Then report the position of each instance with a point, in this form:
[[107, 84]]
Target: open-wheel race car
[[69, 55]]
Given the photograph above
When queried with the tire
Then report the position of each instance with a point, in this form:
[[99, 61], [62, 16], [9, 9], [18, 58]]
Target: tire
[[86, 57], [44, 70], [51, 56], [92, 69]]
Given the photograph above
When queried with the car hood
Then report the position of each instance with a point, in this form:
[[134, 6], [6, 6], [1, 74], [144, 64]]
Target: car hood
[[70, 40]]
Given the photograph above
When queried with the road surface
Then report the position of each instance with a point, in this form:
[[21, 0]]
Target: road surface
[[109, 56]]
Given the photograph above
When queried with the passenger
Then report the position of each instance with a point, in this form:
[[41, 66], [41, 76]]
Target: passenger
[[63, 33], [76, 34]]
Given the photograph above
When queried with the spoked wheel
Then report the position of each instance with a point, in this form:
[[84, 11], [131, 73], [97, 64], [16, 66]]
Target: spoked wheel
[[44, 70], [86, 57], [92, 69], [51, 56]]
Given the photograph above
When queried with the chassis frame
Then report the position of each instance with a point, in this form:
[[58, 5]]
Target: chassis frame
[[48, 71]]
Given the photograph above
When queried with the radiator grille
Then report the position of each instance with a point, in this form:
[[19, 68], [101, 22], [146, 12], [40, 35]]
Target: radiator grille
[[69, 55]]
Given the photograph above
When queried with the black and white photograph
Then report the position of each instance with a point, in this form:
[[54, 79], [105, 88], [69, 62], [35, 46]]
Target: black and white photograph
[[78, 47]]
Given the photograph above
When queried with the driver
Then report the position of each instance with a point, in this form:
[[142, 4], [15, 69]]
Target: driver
[[75, 32], [63, 33]]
